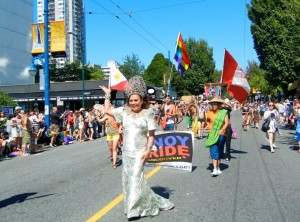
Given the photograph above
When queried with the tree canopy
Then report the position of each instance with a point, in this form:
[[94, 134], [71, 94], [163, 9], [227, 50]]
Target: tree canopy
[[132, 66], [73, 72], [275, 29], [6, 100], [257, 79], [157, 72], [202, 68]]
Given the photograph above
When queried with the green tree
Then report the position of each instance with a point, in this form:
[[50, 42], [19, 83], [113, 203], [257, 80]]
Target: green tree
[[71, 72], [202, 66], [275, 29], [157, 72], [216, 76], [6, 100], [96, 73], [132, 66], [257, 78]]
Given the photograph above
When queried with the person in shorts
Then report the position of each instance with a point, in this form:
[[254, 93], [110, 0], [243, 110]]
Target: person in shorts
[[55, 119], [113, 130], [217, 122], [201, 120]]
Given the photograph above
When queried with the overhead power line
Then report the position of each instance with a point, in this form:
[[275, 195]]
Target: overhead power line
[[118, 17], [167, 6], [130, 16], [153, 9]]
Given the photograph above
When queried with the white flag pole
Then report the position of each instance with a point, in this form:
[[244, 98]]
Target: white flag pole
[[109, 79], [223, 68]]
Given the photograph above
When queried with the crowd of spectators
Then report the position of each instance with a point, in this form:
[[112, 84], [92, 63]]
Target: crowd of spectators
[[84, 124], [25, 131]]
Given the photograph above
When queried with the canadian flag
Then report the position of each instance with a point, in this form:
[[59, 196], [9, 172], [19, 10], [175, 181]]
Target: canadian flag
[[116, 79], [233, 75]]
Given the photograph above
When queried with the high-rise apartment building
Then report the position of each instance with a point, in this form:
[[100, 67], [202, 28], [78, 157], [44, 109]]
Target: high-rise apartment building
[[15, 41], [72, 12]]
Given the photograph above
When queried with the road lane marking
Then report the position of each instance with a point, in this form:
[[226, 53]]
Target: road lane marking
[[117, 200]]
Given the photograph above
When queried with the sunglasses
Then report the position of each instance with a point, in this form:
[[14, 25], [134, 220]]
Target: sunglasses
[[214, 104]]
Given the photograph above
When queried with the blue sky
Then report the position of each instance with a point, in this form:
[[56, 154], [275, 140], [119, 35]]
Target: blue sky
[[154, 26]]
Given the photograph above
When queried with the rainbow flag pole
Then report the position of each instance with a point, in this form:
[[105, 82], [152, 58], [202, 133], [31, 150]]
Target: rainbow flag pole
[[181, 56]]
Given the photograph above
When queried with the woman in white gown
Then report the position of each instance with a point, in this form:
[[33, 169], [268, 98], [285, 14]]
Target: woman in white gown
[[138, 128]]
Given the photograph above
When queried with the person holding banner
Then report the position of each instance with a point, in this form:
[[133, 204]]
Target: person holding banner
[[138, 129], [217, 122]]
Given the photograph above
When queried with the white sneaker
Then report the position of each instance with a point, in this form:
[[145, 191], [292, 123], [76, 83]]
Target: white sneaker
[[51, 145], [274, 146], [214, 173], [219, 171]]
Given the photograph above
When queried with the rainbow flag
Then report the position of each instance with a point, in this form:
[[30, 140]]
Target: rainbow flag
[[181, 56]]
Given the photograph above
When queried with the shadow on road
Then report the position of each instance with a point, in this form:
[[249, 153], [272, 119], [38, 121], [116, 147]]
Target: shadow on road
[[238, 151], [222, 167], [162, 191], [20, 198], [194, 168], [265, 147]]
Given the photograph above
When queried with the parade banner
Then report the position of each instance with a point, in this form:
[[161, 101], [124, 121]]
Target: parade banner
[[37, 38], [173, 150], [212, 89], [8, 110], [58, 36]]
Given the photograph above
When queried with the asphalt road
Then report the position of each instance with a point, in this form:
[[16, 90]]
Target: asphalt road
[[74, 182]]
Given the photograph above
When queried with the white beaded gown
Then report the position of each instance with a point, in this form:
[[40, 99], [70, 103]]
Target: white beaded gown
[[139, 198]]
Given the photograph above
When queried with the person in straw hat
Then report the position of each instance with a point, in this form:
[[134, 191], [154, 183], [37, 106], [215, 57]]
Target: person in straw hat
[[138, 127], [217, 122]]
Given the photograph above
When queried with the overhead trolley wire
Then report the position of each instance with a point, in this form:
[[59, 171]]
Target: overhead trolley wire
[[152, 9], [118, 17], [167, 6], [130, 16]]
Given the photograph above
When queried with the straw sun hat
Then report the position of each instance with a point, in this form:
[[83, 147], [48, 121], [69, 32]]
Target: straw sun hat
[[217, 100]]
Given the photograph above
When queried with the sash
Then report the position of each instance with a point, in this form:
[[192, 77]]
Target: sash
[[113, 122], [116, 126], [217, 125]]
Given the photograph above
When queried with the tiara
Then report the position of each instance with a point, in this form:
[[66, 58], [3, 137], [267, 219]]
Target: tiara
[[136, 85]]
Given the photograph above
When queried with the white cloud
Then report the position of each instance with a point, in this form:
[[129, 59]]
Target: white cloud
[[3, 64], [24, 73]]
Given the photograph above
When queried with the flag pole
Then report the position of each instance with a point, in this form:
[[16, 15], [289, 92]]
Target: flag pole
[[223, 68], [170, 76], [109, 81], [175, 50]]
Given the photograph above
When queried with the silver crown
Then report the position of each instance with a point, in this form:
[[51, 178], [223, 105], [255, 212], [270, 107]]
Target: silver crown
[[136, 85]]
